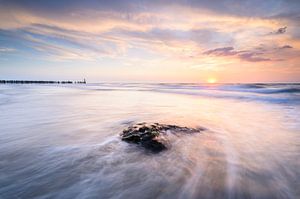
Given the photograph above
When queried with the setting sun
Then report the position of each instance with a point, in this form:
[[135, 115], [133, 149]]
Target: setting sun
[[211, 80]]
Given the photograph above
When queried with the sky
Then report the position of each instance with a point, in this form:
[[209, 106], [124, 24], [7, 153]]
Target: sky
[[151, 41]]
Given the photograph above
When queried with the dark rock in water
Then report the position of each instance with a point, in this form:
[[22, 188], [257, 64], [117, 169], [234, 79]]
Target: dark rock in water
[[152, 136]]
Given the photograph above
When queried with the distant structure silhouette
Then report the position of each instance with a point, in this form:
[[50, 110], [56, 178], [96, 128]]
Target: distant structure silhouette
[[81, 82], [40, 82]]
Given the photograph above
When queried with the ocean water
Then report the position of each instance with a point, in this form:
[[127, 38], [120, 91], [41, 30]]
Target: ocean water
[[62, 141]]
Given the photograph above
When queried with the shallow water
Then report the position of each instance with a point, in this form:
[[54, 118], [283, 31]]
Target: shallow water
[[63, 141]]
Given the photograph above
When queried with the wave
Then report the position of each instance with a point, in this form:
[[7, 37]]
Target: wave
[[274, 93], [288, 90]]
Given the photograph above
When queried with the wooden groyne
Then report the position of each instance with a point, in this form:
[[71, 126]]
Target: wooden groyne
[[40, 82]]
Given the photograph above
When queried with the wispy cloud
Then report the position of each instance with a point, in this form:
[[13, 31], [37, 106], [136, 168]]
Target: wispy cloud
[[253, 57], [4, 50], [250, 56], [226, 51]]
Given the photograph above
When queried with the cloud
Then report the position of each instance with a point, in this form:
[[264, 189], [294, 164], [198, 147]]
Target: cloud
[[62, 44], [279, 31], [285, 47], [171, 36], [289, 12], [5, 50], [226, 51], [243, 55], [100, 29], [252, 8], [252, 57]]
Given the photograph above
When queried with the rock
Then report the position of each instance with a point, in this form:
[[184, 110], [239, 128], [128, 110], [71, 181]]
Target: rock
[[152, 136]]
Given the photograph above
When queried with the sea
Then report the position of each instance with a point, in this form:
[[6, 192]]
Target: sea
[[63, 141]]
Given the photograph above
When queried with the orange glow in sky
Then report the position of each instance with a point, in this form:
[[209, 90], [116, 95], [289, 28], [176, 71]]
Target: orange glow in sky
[[126, 41]]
